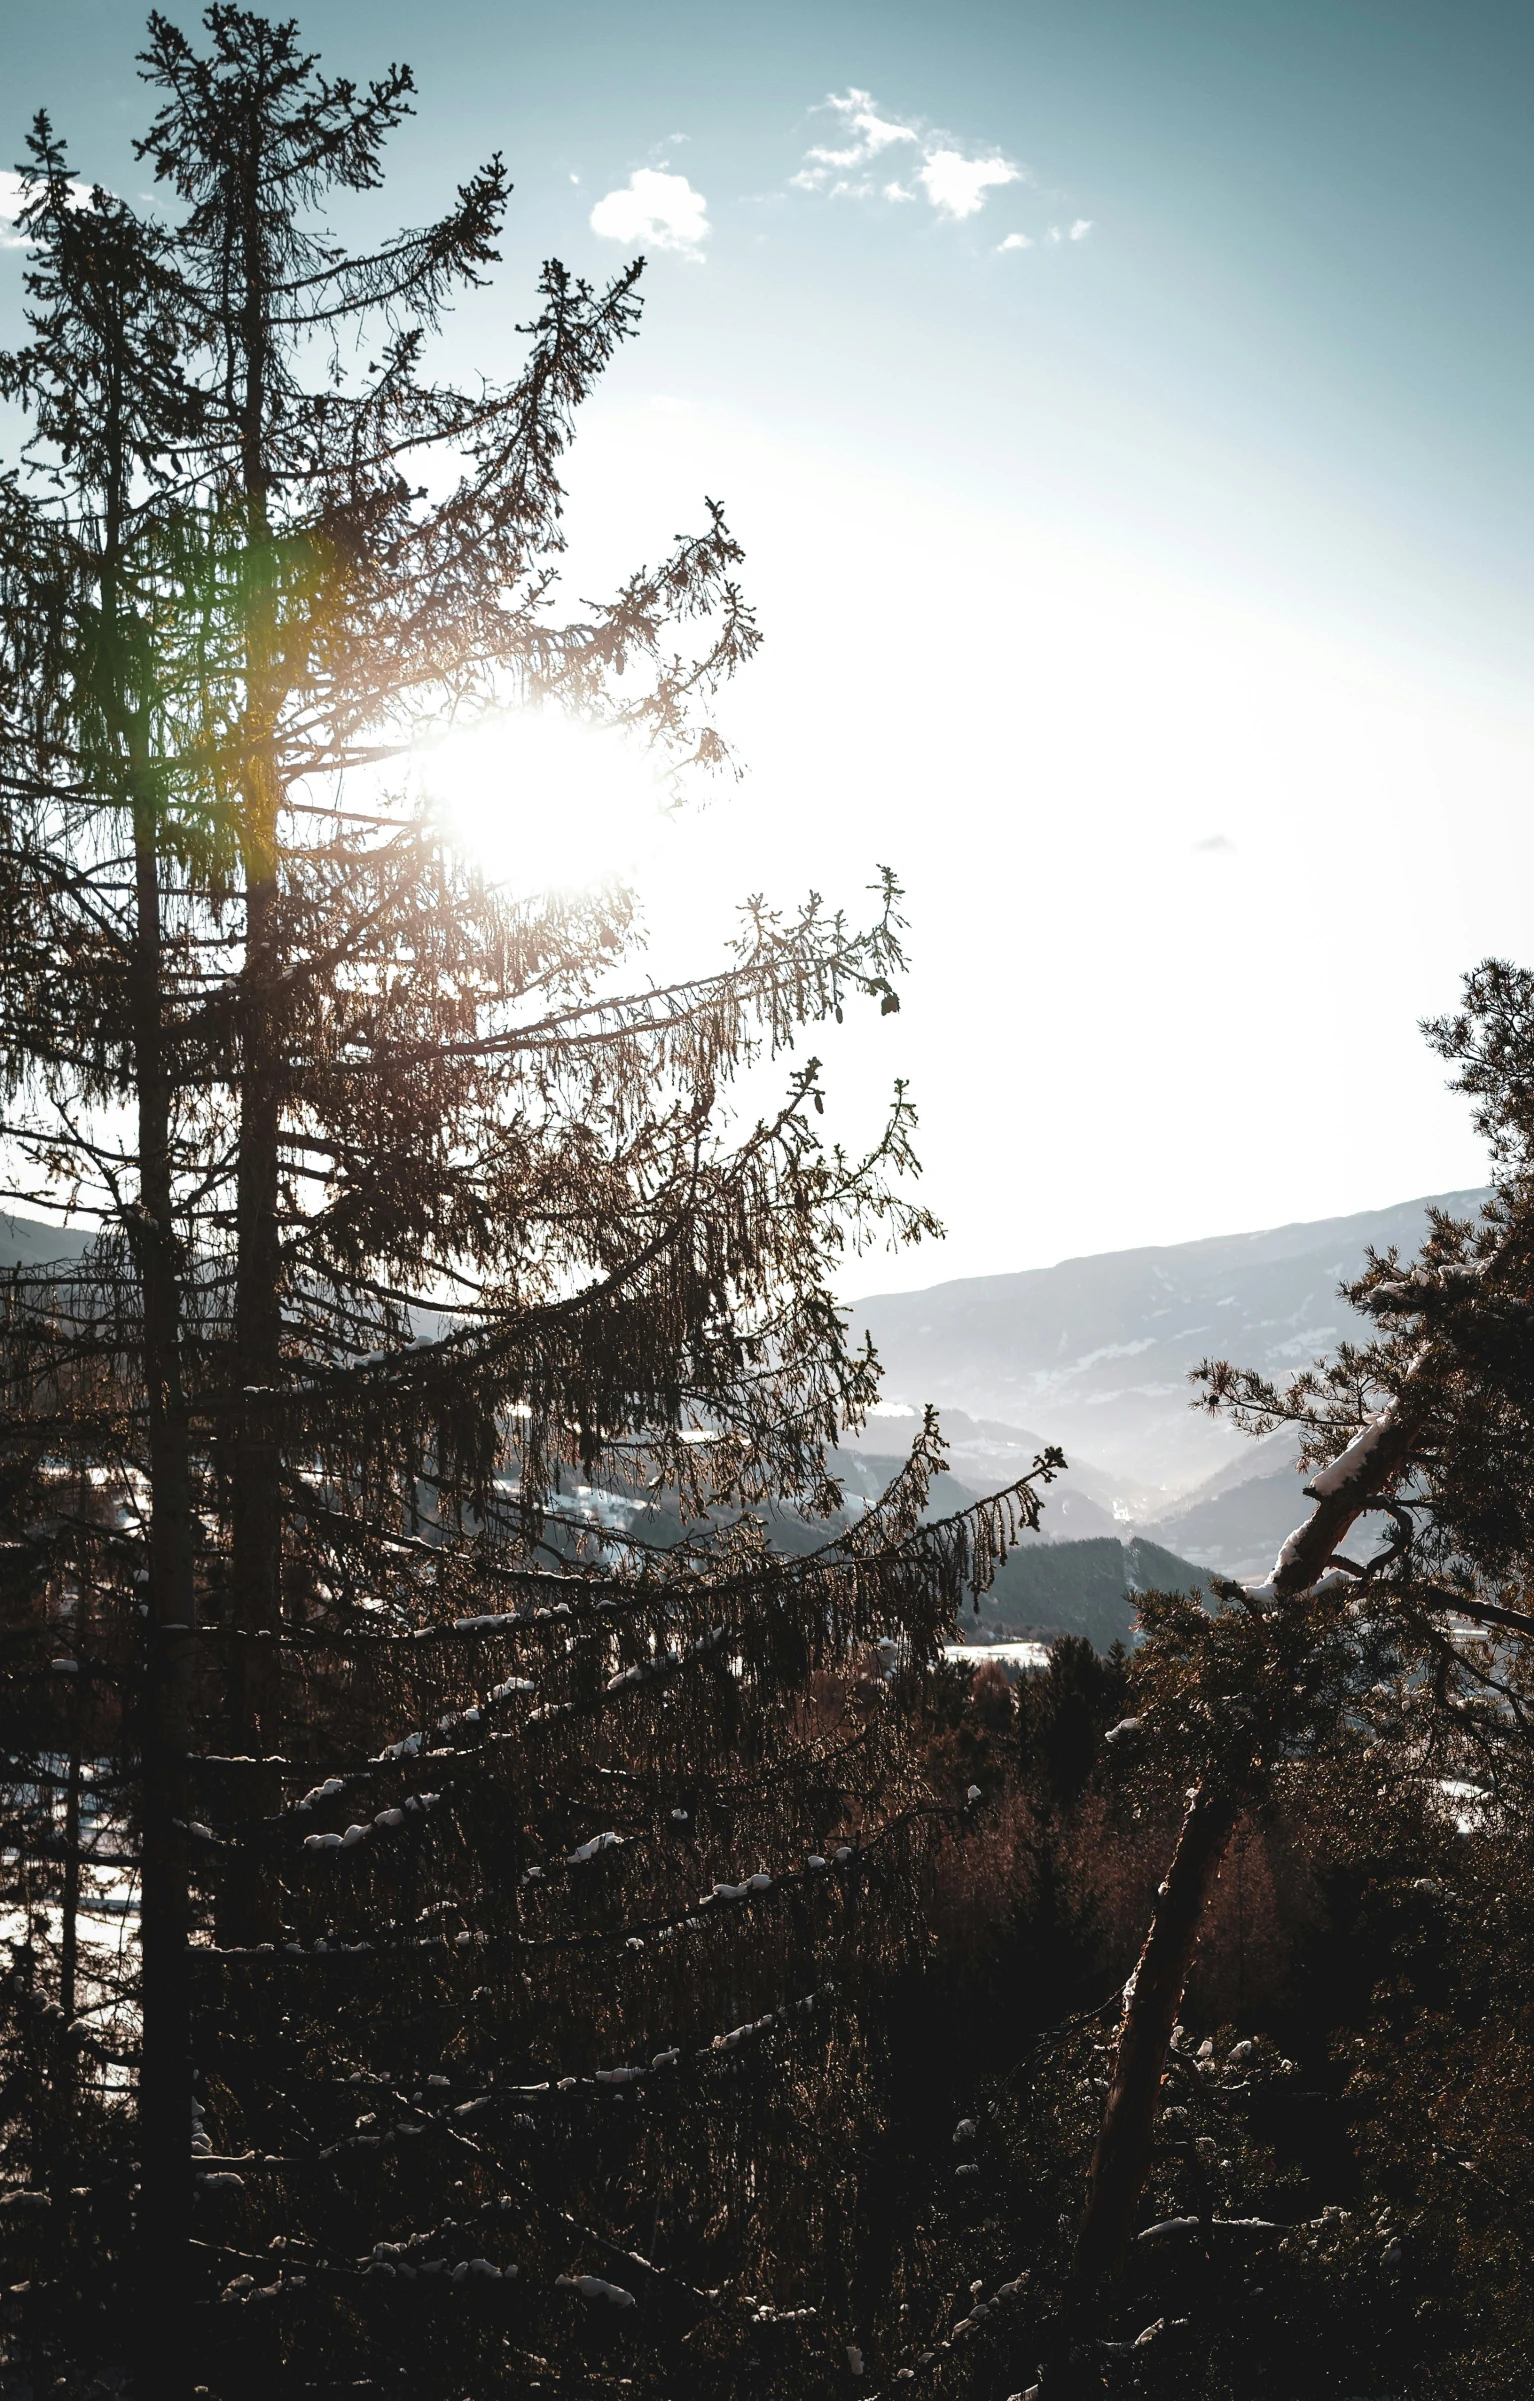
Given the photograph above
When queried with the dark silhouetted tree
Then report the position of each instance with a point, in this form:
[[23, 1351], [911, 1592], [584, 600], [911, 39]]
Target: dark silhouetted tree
[[519, 1826]]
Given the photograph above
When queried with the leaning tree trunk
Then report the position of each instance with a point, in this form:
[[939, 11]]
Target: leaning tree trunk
[[1121, 2159]]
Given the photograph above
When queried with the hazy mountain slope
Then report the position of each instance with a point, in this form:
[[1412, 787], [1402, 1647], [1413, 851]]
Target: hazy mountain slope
[[1096, 1352], [1275, 1454], [1238, 1532], [1235, 1521], [29, 1242], [986, 1455], [866, 1474]]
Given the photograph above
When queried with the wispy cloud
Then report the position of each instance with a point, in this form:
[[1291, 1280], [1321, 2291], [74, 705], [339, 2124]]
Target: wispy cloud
[[658, 208], [1016, 241], [1070, 233], [866, 134], [951, 179]]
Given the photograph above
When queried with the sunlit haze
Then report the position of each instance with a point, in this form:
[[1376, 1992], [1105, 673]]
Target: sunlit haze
[[1126, 428], [540, 803]]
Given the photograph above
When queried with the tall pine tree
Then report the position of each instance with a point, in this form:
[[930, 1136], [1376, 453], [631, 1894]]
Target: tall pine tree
[[453, 1379]]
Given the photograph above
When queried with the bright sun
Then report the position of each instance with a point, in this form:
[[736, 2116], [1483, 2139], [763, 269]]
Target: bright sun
[[542, 804]]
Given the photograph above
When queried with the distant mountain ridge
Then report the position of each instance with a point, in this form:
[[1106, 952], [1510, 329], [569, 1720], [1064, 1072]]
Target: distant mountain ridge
[[35, 1242], [1093, 1353], [1096, 1352]]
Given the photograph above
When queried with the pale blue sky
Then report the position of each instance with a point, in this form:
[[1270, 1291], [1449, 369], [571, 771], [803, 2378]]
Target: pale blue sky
[[1158, 602]]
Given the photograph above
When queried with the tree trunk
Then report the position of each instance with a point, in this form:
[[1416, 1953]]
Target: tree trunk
[[249, 1909], [249, 1901], [257, 1563], [69, 1927], [1121, 2158], [165, 2076]]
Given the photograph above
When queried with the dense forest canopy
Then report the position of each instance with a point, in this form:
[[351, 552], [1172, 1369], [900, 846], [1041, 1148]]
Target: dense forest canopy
[[571, 1929]]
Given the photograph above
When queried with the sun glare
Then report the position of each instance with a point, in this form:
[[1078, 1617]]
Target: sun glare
[[541, 804]]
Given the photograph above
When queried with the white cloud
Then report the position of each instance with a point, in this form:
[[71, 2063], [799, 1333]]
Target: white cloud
[[657, 208], [1016, 241], [867, 134], [956, 185], [13, 200], [1081, 229]]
